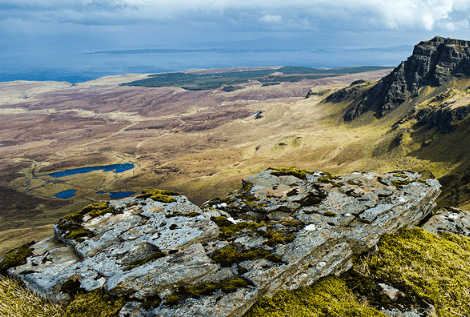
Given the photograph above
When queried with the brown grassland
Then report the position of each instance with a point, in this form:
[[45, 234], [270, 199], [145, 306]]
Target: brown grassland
[[198, 143]]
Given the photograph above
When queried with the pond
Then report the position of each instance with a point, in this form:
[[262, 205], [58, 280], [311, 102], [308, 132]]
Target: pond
[[117, 195], [66, 194], [117, 168]]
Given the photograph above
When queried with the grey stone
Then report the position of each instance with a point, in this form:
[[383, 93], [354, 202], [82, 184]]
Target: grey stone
[[283, 232], [454, 220]]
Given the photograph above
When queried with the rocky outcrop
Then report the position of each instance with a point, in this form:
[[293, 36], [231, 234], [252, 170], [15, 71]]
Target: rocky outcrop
[[284, 229], [432, 63], [453, 220], [446, 119]]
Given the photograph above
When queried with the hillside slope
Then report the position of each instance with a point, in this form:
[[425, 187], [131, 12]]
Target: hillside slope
[[423, 106]]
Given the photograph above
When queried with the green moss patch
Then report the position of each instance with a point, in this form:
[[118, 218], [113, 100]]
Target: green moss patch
[[246, 187], [329, 297], [417, 262], [276, 237], [327, 178], [94, 304], [400, 175], [71, 224], [292, 223], [152, 257], [283, 171], [227, 228], [15, 257], [400, 183], [196, 291], [163, 196], [230, 255]]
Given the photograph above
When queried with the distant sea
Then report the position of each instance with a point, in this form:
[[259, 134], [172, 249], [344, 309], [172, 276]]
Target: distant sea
[[76, 66]]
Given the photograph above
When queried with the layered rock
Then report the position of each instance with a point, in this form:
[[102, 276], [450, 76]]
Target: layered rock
[[432, 63], [453, 220], [446, 119], [285, 229]]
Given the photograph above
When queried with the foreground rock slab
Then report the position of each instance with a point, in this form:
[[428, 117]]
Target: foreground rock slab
[[284, 229]]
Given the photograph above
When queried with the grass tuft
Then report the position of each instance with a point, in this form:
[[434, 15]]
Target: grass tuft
[[16, 300]]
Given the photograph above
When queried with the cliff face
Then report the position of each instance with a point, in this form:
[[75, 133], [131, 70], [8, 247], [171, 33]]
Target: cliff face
[[432, 63], [163, 256]]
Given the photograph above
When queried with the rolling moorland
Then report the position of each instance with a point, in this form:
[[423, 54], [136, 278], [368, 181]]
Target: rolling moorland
[[414, 118], [200, 143]]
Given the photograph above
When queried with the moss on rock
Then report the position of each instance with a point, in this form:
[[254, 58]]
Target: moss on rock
[[196, 291], [96, 303], [329, 297], [227, 228], [276, 237], [15, 257], [71, 224], [163, 196], [283, 171], [400, 183], [415, 261]]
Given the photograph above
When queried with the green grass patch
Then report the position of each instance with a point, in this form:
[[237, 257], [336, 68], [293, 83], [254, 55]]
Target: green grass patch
[[437, 269]]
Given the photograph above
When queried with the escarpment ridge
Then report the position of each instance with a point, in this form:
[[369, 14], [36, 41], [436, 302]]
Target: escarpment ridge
[[158, 254], [433, 63]]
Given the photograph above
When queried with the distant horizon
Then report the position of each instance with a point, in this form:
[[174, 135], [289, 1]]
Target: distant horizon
[[74, 66]]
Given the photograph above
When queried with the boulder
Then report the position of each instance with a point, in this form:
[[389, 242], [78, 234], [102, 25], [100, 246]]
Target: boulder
[[284, 229]]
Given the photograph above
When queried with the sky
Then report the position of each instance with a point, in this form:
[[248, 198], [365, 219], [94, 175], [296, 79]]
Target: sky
[[49, 27]]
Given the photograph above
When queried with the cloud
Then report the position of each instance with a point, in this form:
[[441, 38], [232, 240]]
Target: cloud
[[426, 15], [268, 18]]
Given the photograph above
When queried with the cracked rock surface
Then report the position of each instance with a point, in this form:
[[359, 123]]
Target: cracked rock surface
[[284, 229]]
